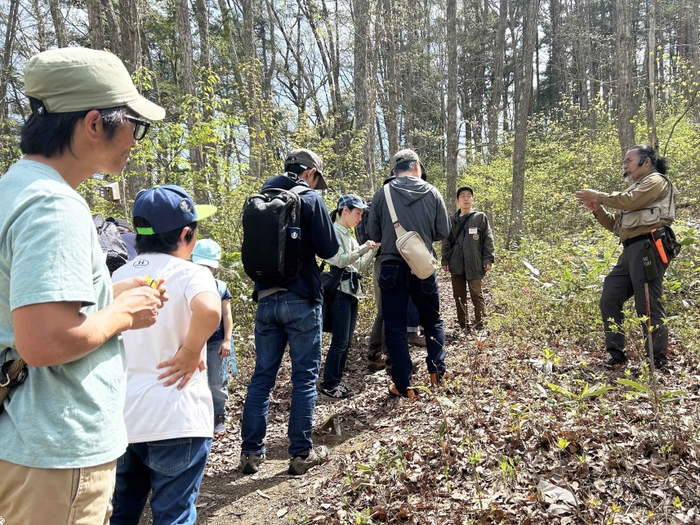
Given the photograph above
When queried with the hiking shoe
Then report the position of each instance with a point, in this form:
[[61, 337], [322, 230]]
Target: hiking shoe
[[219, 428], [299, 465], [436, 378], [375, 363], [615, 360], [250, 463], [395, 392], [339, 391], [660, 363], [416, 340]]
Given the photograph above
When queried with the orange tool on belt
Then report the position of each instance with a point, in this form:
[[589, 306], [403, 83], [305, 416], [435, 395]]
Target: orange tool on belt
[[659, 247]]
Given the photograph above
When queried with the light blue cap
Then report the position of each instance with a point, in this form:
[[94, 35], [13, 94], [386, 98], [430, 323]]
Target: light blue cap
[[207, 252]]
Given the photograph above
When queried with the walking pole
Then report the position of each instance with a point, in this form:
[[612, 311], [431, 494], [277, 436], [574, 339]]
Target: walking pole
[[651, 274]]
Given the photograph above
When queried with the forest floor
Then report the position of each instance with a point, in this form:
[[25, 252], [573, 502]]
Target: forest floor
[[518, 435]]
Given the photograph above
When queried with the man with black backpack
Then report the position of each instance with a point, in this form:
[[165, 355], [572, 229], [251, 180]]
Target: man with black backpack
[[289, 296]]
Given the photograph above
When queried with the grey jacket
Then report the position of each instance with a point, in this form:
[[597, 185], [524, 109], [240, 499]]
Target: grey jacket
[[419, 207], [467, 249]]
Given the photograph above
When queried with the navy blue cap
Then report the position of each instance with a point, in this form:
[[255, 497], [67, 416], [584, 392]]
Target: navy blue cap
[[350, 199], [168, 208]]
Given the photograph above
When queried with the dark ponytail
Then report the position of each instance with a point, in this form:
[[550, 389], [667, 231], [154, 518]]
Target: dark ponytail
[[335, 213], [660, 163]]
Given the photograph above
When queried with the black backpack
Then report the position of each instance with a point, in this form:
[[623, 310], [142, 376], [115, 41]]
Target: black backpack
[[111, 242], [272, 235], [362, 229]]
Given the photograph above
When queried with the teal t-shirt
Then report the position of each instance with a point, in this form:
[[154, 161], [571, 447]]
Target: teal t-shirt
[[65, 416]]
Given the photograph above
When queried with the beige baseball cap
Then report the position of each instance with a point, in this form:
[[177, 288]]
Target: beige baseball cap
[[77, 79]]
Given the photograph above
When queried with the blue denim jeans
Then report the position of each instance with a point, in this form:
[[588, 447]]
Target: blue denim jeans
[[281, 318], [217, 373], [172, 468], [397, 283], [344, 319]]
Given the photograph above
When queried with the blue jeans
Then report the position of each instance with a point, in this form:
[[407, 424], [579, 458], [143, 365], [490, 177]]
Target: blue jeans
[[281, 318], [344, 319], [397, 283], [172, 468], [217, 373]]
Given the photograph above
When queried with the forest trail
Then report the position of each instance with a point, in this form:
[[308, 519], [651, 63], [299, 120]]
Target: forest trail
[[512, 438]]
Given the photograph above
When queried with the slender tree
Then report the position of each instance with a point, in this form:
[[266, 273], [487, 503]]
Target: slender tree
[[522, 109], [624, 71], [451, 130]]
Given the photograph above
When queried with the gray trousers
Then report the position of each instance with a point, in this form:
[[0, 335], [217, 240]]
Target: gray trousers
[[376, 336], [627, 280]]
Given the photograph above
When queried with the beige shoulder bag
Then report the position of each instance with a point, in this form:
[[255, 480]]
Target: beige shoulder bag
[[411, 245]]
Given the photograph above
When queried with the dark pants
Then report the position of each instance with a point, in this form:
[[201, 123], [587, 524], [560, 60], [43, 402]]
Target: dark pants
[[459, 292], [624, 281], [344, 309], [397, 283], [376, 336]]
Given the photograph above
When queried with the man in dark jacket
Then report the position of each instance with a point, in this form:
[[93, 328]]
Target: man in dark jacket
[[291, 314], [467, 254], [420, 208]]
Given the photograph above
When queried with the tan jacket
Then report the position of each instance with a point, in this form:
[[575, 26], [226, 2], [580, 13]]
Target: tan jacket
[[642, 207]]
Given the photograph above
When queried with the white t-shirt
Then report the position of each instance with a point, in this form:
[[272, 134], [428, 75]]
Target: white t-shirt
[[153, 412]]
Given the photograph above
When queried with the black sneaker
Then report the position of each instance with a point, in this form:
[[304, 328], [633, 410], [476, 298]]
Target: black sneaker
[[339, 391], [615, 359], [660, 363], [299, 465]]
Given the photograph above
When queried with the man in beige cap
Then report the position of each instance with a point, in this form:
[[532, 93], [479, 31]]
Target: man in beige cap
[[62, 428]]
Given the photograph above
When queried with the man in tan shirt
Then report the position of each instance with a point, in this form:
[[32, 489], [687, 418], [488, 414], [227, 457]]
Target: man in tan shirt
[[648, 204]]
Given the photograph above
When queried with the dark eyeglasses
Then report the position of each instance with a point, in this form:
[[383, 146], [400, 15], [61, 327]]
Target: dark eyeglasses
[[140, 126]]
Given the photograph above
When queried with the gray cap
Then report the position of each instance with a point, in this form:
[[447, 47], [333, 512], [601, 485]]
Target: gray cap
[[307, 159], [407, 155]]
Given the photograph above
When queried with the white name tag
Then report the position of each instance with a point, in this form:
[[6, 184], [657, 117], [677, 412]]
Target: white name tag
[[473, 231]]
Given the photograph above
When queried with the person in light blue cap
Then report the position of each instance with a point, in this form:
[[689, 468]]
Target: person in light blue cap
[[220, 349], [352, 260]]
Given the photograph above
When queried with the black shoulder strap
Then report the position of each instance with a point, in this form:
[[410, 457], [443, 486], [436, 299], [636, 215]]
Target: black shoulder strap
[[462, 225]]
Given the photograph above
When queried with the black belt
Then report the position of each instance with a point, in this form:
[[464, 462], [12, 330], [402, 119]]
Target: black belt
[[638, 238]]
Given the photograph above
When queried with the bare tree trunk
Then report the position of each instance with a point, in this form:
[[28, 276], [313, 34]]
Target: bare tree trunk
[[187, 80], [40, 26], [130, 22], [363, 84], [58, 23], [523, 96], [452, 132], [497, 87], [115, 33], [651, 75], [96, 29], [7, 50], [130, 31], [202, 15], [623, 67], [391, 78], [251, 88]]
